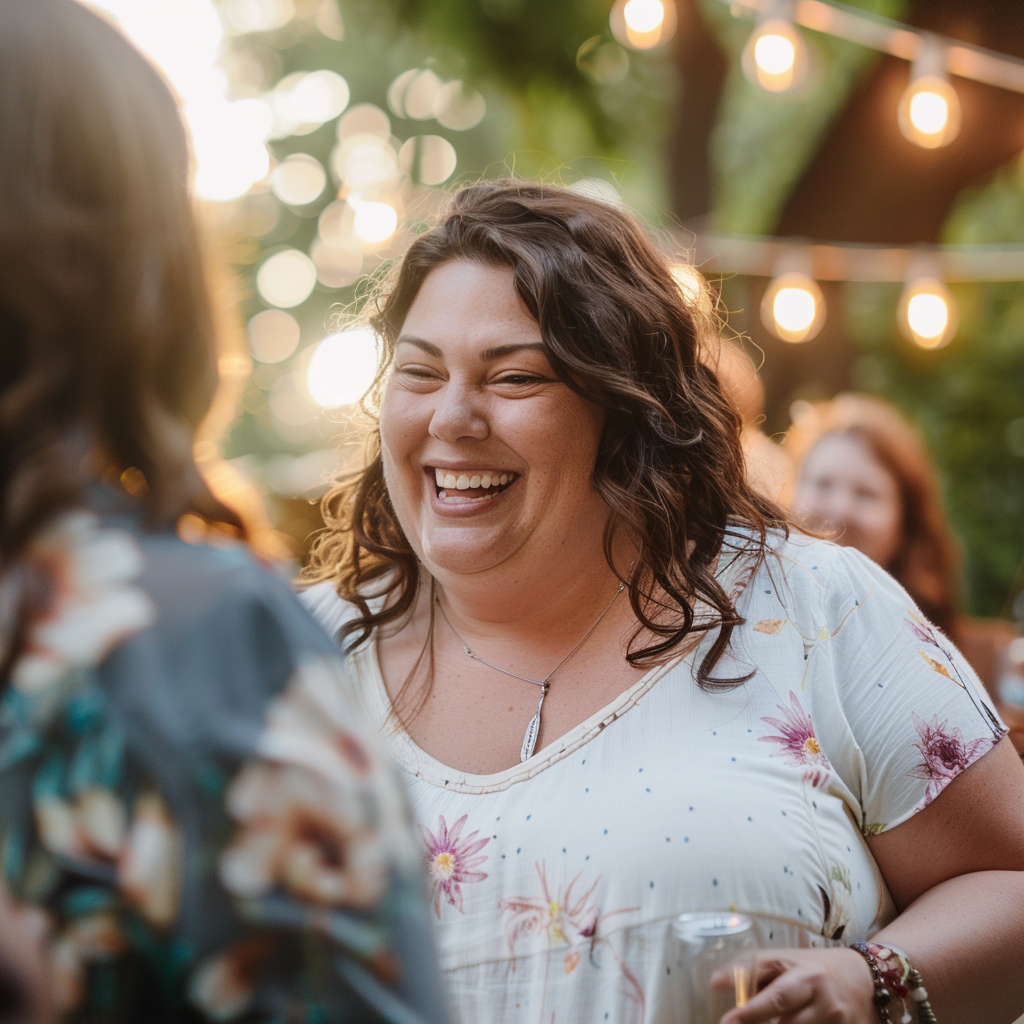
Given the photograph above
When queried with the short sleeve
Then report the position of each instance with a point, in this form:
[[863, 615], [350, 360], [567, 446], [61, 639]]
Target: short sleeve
[[915, 715]]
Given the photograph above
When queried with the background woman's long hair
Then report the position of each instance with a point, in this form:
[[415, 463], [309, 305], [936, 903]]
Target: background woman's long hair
[[927, 561], [107, 348], [620, 334]]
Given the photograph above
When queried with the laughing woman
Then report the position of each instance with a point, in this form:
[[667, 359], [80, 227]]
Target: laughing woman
[[619, 688]]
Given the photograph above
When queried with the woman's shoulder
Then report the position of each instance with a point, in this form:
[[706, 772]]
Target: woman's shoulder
[[801, 570], [324, 603]]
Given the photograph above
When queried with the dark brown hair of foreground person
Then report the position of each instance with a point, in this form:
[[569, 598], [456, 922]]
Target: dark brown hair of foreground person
[[927, 563], [107, 351], [620, 334]]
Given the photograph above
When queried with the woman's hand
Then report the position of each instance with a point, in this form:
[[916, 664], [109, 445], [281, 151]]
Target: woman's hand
[[809, 986]]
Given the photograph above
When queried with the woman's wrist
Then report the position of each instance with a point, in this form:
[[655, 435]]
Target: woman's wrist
[[900, 996]]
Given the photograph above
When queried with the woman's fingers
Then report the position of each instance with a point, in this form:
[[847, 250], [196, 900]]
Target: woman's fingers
[[788, 994]]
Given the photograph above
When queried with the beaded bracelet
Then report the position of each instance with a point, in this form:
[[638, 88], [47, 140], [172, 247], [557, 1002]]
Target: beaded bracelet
[[894, 977]]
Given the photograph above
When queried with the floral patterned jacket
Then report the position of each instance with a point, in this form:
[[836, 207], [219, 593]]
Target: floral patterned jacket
[[185, 794]]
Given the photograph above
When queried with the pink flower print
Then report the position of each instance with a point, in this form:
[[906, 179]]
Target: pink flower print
[[451, 861], [945, 754], [921, 628], [565, 919], [798, 743]]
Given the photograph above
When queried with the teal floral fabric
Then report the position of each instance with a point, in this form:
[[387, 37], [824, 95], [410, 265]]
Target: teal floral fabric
[[187, 798]]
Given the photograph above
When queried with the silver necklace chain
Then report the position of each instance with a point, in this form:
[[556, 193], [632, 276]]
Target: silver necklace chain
[[533, 729]]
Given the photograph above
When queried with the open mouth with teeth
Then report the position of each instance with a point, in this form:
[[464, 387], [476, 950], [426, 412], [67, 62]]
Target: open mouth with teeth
[[471, 486]]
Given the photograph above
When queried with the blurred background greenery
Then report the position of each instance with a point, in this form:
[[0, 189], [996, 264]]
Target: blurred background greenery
[[426, 93]]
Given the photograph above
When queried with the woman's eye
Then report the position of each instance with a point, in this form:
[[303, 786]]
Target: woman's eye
[[520, 379], [420, 372]]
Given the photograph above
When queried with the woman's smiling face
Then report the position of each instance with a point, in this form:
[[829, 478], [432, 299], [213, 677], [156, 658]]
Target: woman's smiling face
[[488, 457]]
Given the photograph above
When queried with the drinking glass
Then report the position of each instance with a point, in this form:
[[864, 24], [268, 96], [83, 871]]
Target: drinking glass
[[715, 965], [714, 960]]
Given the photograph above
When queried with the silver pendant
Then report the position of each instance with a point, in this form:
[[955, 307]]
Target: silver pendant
[[533, 729]]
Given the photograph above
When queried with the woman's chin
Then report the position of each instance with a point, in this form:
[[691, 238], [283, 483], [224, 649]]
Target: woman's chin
[[465, 550]]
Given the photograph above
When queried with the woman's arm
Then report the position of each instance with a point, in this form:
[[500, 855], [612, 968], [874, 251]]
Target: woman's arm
[[956, 873]]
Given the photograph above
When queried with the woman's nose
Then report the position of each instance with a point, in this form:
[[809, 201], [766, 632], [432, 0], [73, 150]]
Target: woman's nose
[[458, 414]]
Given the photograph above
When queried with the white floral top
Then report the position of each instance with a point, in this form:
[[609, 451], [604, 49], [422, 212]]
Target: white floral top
[[555, 882]]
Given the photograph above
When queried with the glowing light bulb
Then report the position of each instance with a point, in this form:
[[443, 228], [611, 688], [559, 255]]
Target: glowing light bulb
[[775, 56], [643, 24], [375, 222], [343, 367], [793, 307], [929, 112], [927, 313], [929, 109], [644, 16]]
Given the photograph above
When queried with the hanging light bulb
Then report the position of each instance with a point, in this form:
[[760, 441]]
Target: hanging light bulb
[[927, 312], [643, 24], [929, 109], [793, 307], [775, 56]]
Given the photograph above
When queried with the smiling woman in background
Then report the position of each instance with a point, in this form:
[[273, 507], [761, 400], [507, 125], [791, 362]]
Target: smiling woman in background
[[620, 689], [186, 797], [865, 472]]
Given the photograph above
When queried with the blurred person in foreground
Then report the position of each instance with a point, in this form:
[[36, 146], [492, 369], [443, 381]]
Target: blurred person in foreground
[[24, 998], [185, 793], [865, 472], [620, 686]]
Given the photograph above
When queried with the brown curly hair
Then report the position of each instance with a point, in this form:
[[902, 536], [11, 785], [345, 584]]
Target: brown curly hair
[[620, 333]]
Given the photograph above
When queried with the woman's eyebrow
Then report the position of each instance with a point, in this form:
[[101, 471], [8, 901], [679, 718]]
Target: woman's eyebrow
[[498, 351], [429, 347]]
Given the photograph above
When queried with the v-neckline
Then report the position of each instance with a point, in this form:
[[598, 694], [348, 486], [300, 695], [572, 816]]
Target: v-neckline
[[414, 759]]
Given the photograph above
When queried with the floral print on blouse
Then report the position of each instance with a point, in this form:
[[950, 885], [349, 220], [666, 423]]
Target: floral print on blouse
[[188, 798], [556, 881]]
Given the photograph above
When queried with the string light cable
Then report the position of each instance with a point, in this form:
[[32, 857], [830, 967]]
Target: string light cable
[[793, 307]]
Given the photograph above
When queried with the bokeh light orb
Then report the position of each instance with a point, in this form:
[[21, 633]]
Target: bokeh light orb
[[286, 279], [428, 159], [929, 112], [273, 335], [643, 24], [320, 96], [458, 107], [775, 56], [336, 265], [927, 313], [413, 94], [365, 162], [343, 367], [374, 222], [793, 307], [364, 119], [299, 179], [644, 15], [243, 16]]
